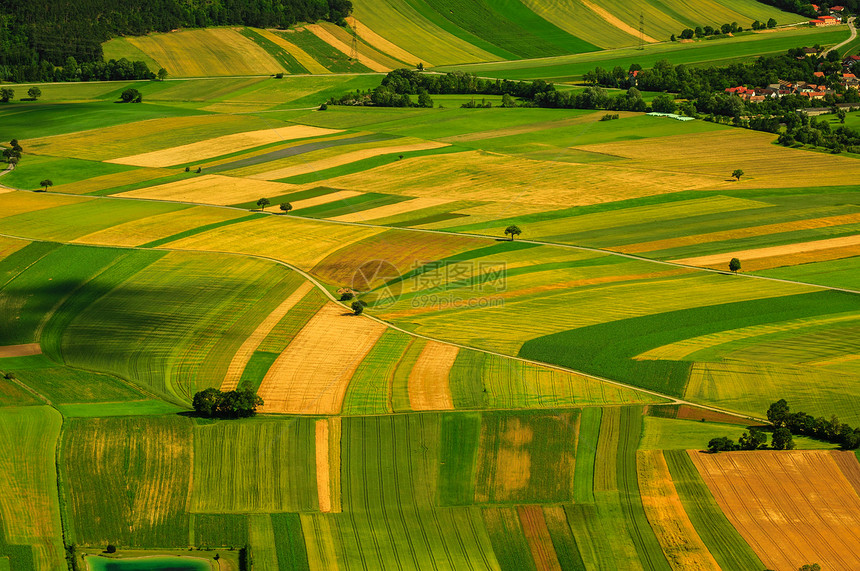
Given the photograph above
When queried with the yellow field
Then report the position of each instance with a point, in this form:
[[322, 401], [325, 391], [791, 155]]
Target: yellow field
[[243, 355], [152, 228], [680, 350], [390, 210], [141, 136], [10, 246], [740, 233], [303, 243], [20, 350], [792, 507], [111, 181], [12, 203], [722, 260], [310, 377], [615, 22], [428, 380], [206, 52], [329, 38], [383, 45], [344, 159], [681, 543], [404, 26], [717, 154], [483, 176], [221, 146], [303, 57], [211, 189]]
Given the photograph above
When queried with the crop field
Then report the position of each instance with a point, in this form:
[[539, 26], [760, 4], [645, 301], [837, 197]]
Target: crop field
[[29, 508], [101, 457], [536, 401], [227, 53], [783, 484]]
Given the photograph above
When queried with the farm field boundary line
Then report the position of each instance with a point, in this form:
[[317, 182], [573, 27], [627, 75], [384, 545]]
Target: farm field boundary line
[[470, 235], [316, 283]]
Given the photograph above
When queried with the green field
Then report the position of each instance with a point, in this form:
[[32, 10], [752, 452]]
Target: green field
[[501, 404]]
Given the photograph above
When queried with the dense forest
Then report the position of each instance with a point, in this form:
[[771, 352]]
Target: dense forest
[[37, 36]]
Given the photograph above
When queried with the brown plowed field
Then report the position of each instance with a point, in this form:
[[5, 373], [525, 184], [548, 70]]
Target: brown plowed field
[[792, 507]]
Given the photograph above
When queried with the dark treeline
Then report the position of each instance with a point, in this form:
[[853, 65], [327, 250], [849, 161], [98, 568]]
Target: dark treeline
[[801, 7], [800, 423], [37, 36], [399, 84]]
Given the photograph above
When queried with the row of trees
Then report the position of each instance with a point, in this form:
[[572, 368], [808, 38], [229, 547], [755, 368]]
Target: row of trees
[[38, 36], [214, 403], [754, 439], [800, 423], [398, 85], [733, 28]]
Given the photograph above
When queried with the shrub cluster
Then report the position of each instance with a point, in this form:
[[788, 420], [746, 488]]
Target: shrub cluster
[[214, 403]]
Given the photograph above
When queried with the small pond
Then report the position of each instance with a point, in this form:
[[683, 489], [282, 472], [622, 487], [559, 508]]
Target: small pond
[[156, 563]]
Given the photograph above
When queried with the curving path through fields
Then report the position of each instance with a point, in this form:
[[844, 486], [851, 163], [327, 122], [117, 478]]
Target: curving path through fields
[[316, 283], [319, 285]]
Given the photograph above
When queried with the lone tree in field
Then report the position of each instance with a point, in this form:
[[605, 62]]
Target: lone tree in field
[[111, 548], [357, 307], [263, 203], [34, 92], [737, 174], [6, 94], [45, 184], [734, 265], [513, 230], [286, 207], [131, 95], [162, 74]]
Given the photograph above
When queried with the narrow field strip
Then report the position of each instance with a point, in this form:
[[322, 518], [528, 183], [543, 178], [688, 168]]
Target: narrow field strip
[[323, 467], [537, 535], [324, 199], [380, 212], [331, 40], [243, 355], [344, 159], [311, 376], [616, 22], [772, 251], [223, 145], [211, 189], [383, 45], [680, 542], [20, 350], [428, 380], [303, 57], [750, 231]]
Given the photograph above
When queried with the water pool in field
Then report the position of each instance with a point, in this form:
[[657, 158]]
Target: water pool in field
[[158, 563]]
